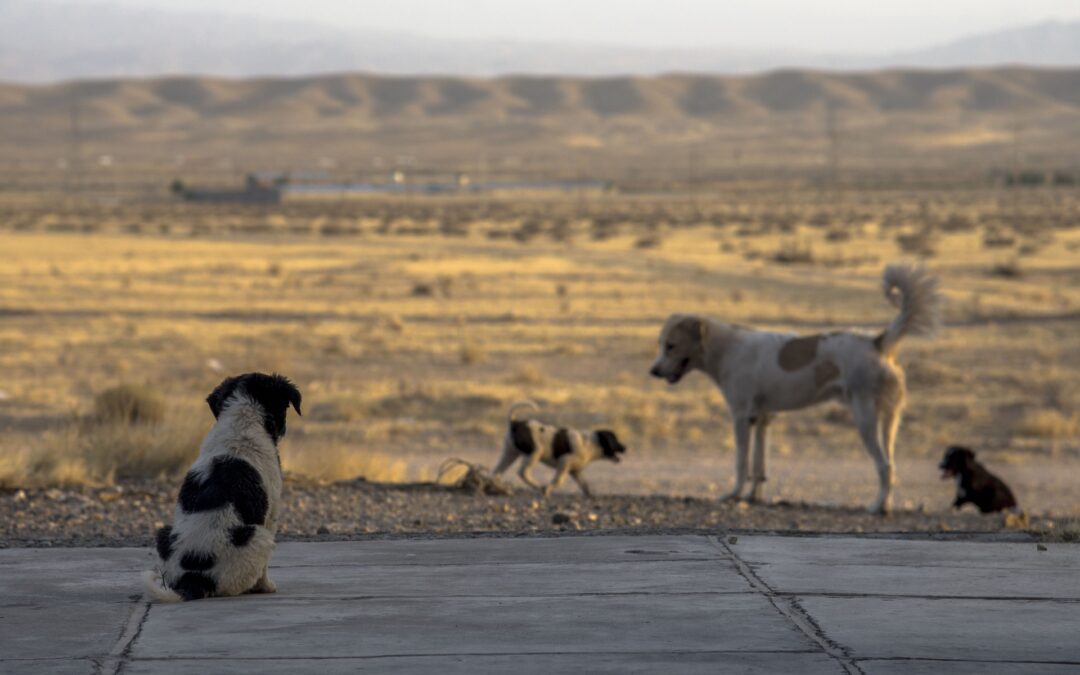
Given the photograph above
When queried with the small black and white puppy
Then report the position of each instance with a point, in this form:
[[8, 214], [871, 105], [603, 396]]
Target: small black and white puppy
[[974, 483], [568, 451], [226, 514]]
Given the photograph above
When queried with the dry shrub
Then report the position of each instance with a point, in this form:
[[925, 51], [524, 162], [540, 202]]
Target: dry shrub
[[471, 353], [1052, 424], [528, 374], [995, 238], [1007, 269], [646, 241], [128, 404], [335, 410], [99, 454], [922, 243], [794, 253]]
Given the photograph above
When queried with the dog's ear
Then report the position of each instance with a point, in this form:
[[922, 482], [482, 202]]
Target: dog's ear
[[694, 326], [274, 393], [216, 399]]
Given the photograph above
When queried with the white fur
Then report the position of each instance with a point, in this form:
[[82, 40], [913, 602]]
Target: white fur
[[862, 372], [238, 433]]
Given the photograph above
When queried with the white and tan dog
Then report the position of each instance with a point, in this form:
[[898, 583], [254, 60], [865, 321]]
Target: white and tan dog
[[762, 373], [568, 451], [227, 510]]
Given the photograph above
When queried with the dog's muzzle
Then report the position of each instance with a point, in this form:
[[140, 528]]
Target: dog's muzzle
[[674, 376]]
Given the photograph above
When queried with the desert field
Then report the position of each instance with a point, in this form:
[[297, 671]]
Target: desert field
[[411, 324]]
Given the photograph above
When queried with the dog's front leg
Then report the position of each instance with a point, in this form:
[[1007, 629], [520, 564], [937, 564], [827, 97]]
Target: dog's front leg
[[742, 450], [760, 450], [560, 477], [576, 475]]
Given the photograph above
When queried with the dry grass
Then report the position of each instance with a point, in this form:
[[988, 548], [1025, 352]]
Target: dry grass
[[409, 346], [1048, 424]]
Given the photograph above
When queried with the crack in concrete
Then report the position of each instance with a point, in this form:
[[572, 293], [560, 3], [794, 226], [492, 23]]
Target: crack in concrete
[[120, 654], [789, 607]]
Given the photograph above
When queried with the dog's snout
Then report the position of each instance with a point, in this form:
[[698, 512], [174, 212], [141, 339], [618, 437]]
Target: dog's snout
[[655, 371]]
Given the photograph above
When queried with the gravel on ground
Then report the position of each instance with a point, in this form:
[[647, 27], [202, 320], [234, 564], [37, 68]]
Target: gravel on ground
[[127, 514]]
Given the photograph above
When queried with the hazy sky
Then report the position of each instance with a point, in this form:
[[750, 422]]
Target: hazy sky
[[821, 25]]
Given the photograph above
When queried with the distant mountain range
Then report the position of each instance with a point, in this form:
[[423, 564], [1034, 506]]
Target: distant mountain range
[[49, 40], [974, 117]]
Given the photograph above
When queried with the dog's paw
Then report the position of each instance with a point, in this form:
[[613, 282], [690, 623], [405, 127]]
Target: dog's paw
[[730, 496], [264, 586]]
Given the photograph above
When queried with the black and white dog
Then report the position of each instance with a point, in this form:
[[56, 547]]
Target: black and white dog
[[974, 483], [568, 451], [226, 515]]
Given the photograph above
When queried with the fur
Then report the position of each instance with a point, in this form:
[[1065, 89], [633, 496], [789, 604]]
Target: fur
[[974, 484], [227, 510], [761, 373], [568, 451]]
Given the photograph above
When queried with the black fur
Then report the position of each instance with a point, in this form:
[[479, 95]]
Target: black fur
[[241, 534], [197, 562], [165, 542], [610, 444], [977, 485], [560, 444], [274, 393], [522, 437], [230, 481], [195, 586]]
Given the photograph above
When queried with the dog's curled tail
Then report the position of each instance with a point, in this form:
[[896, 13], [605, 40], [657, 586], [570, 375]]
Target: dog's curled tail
[[915, 292], [156, 590], [517, 406]]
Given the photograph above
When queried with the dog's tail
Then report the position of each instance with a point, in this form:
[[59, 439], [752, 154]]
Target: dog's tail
[[157, 590], [915, 292], [517, 406]]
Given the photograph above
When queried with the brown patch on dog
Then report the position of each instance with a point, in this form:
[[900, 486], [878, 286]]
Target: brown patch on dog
[[799, 352], [825, 372]]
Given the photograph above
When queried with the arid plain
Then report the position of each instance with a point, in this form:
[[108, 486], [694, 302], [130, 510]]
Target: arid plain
[[412, 322]]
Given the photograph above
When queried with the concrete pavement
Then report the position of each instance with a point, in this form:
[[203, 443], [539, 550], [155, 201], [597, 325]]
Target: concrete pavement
[[598, 604]]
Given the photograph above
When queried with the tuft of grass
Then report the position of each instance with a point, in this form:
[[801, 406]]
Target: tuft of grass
[[1007, 269], [130, 404], [794, 253], [102, 454], [471, 352], [1052, 424]]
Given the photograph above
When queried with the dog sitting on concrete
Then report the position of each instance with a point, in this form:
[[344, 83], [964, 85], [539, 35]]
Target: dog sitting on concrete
[[761, 373], [568, 451], [226, 514], [974, 483]]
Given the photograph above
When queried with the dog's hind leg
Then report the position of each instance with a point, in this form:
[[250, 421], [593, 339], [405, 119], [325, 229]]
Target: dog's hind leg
[[264, 585], [742, 450], [510, 454], [760, 450], [525, 471], [866, 421]]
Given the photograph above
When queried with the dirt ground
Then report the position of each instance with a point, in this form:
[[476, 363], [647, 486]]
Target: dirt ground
[[128, 514]]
